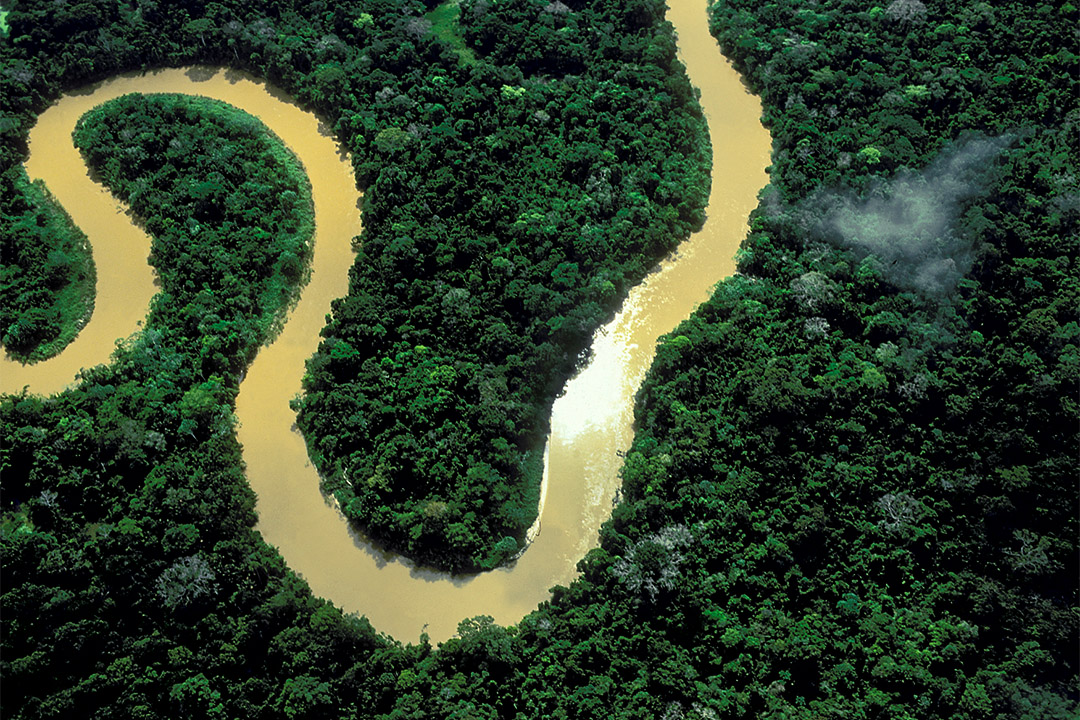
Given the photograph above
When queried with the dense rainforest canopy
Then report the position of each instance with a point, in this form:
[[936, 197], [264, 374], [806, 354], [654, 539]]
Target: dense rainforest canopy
[[853, 487], [228, 207], [513, 204], [510, 204]]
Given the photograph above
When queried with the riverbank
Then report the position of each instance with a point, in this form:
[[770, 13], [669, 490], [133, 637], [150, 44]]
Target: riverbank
[[591, 422]]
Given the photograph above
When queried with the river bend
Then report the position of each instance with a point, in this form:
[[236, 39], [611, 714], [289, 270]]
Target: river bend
[[591, 422]]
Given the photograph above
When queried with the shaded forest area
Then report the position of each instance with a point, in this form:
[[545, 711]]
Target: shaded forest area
[[853, 488]]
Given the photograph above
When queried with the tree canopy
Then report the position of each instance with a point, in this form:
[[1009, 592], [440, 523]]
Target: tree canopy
[[852, 488]]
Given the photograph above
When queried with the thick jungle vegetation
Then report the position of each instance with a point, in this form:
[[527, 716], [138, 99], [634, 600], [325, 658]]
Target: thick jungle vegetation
[[227, 205], [853, 487], [47, 276], [509, 205], [513, 203]]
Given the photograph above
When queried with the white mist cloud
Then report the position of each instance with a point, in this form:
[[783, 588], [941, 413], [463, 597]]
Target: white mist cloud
[[908, 222]]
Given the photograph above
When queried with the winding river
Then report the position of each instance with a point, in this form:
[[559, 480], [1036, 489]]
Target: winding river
[[591, 422]]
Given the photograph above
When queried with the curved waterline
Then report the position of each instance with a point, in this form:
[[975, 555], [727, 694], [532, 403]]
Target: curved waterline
[[591, 422]]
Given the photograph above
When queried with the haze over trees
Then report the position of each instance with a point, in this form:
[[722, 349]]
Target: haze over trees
[[852, 489]]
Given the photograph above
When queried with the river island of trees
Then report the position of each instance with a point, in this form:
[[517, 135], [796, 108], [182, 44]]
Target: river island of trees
[[228, 207], [852, 489], [46, 272]]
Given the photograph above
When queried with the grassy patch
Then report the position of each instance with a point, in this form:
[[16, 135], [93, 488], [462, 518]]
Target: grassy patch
[[444, 25]]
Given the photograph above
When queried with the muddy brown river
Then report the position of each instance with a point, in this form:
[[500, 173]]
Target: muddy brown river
[[591, 422]]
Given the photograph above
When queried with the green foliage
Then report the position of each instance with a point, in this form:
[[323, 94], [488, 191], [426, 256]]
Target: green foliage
[[47, 272], [226, 204], [509, 203], [445, 26], [853, 445], [876, 474]]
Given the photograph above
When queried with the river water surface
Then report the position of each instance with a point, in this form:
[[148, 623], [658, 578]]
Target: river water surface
[[591, 422]]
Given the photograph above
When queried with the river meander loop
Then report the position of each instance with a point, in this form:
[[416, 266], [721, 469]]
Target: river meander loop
[[591, 422]]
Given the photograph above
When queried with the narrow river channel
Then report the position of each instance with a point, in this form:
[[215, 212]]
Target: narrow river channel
[[591, 422]]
